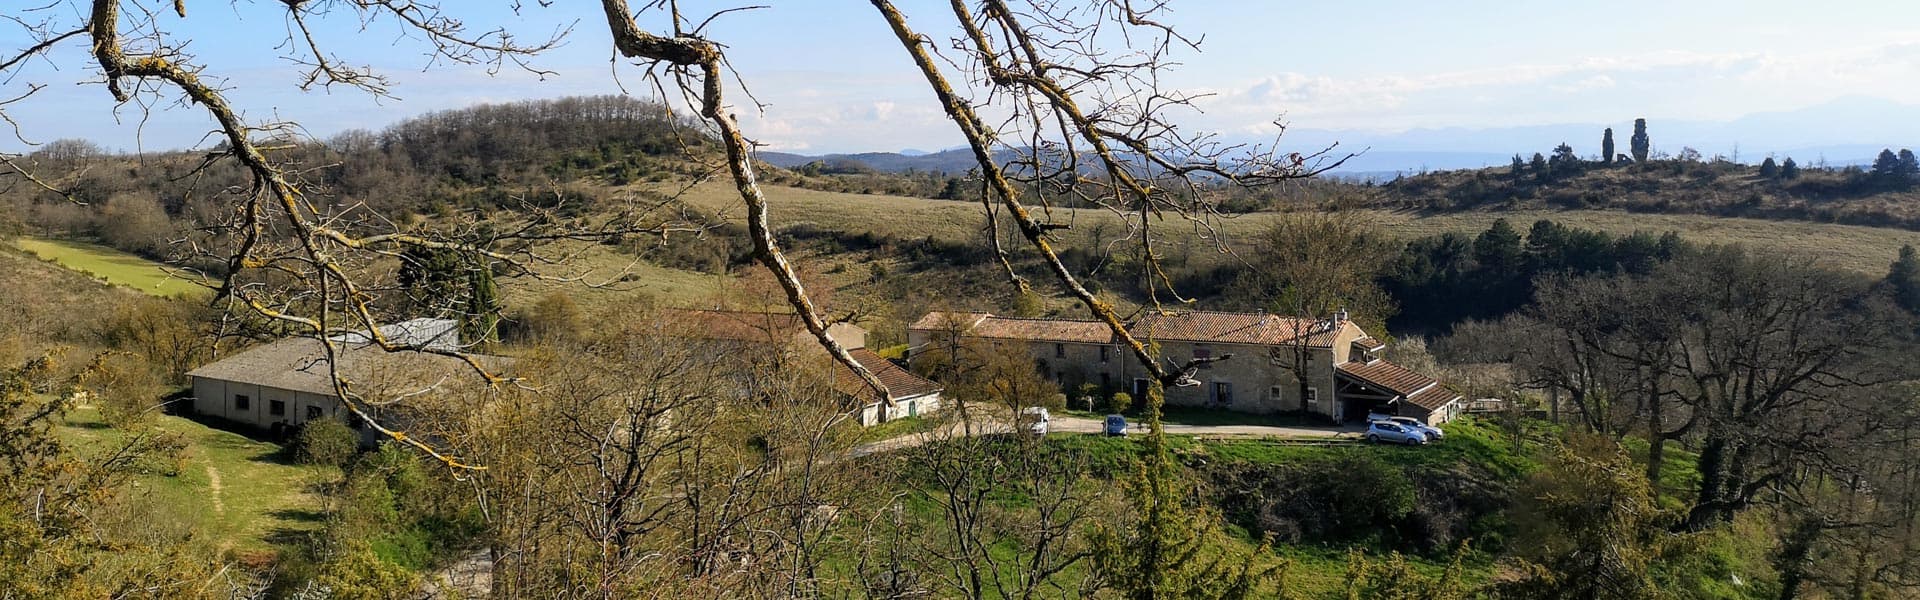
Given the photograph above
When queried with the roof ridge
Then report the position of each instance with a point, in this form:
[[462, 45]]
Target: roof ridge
[[1057, 319]]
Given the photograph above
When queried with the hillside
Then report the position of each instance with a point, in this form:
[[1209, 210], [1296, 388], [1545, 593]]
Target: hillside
[[1715, 188], [1859, 248]]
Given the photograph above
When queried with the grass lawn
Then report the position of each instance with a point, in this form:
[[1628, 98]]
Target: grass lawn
[[114, 266], [897, 428], [235, 492]]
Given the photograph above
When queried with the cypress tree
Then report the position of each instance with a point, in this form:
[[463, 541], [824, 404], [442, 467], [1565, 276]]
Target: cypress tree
[[1789, 169], [1906, 168], [1606, 147], [1640, 143], [1769, 170], [1519, 166]]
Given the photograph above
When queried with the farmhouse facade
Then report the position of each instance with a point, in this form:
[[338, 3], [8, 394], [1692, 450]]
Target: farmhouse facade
[[1327, 367], [909, 395]]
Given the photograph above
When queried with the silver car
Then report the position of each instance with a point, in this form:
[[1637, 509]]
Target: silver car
[[1389, 431], [1434, 434]]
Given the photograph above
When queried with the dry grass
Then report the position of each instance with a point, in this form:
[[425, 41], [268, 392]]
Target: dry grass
[[1858, 248]]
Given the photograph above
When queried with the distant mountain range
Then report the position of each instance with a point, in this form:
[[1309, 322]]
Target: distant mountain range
[[1845, 131]]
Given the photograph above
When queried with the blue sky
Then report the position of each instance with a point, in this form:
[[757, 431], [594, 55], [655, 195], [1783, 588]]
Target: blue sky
[[835, 80]]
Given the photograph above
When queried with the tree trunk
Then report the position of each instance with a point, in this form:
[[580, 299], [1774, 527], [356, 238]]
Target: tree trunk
[[1712, 464], [1793, 557], [1656, 434]]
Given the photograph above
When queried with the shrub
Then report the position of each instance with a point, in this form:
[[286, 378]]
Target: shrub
[[327, 442], [1119, 402]]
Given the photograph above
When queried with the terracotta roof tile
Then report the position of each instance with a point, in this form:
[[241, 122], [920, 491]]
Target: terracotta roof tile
[[1193, 326], [1388, 376], [1238, 328], [1433, 398], [901, 382], [1368, 344], [1081, 331], [935, 321]]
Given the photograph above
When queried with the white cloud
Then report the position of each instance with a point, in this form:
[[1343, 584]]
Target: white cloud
[[1596, 82]]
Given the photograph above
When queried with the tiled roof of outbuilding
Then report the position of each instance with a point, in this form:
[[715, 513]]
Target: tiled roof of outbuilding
[[1388, 376], [1433, 398], [901, 382], [300, 365]]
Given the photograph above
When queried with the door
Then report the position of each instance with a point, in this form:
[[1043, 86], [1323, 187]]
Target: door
[[1222, 393]]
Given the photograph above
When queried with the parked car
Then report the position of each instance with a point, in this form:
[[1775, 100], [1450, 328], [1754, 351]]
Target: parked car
[[1035, 420], [1116, 426], [1434, 434], [1389, 431]]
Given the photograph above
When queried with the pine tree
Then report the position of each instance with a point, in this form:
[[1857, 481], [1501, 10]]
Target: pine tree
[[1903, 278], [1886, 167], [1789, 169], [1769, 170], [1641, 144], [1906, 169], [1539, 166], [1606, 147], [1519, 166]]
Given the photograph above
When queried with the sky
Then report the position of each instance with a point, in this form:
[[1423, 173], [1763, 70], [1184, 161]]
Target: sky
[[834, 80]]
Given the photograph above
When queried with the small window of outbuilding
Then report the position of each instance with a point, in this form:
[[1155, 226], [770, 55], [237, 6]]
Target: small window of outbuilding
[[276, 407], [242, 402], [1059, 350]]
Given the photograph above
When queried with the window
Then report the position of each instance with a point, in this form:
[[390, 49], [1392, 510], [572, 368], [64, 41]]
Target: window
[[242, 402], [1059, 350], [1106, 381], [276, 407], [1222, 392], [1139, 390], [315, 412], [1275, 393], [1103, 352], [1200, 353], [1313, 396]]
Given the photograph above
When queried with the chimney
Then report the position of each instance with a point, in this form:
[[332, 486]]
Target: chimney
[[1340, 316]]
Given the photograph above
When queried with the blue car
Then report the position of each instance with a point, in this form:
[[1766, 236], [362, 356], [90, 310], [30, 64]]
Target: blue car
[[1388, 431], [1116, 426]]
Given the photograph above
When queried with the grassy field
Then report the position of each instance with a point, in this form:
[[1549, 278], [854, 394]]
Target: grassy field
[[1865, 249], [235, 492], [113, 266]]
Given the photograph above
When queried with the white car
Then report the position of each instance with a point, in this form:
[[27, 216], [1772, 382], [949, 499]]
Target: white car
[[1036, 420], [1433, 434]]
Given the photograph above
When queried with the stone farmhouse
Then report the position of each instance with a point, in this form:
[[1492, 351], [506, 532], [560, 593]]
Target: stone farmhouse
[[286, 383], [911, 395], [1345, 378]]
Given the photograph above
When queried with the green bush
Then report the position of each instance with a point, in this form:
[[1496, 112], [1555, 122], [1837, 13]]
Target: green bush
[[1119, 402], [327, 442]]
